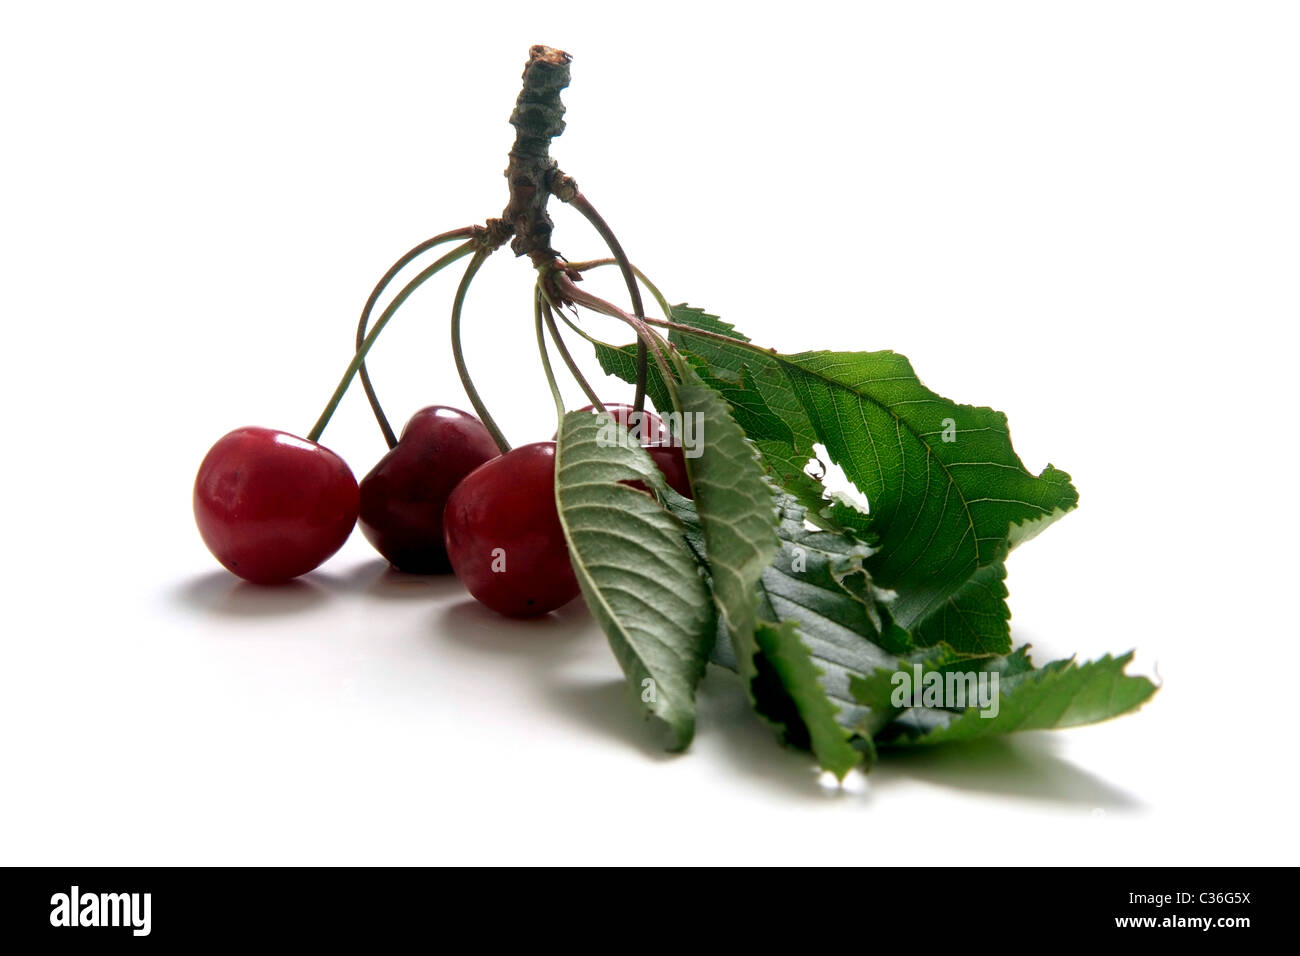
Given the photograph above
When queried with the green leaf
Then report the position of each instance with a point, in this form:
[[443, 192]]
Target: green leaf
[[704, 321], [621, 361], [974, 618], [736, 518], [1060, 694], [813, 724], [875, 690], [948, 495], [757, 389], [821, 577], [817, 585], [735, 504], [834, 625], [637, 574], [920, 578]]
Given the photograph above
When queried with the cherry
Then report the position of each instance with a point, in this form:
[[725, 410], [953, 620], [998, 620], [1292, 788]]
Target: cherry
[[503, 534], [403, 497], [654, 437], [672, 462], [647, 428], [271, 506]]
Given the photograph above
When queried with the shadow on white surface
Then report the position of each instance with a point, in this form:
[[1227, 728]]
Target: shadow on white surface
[[223, 594], [379, 579], [561, 658], [1026, 766], [754, 752], [545, 648], [609, 708], [532, 641]]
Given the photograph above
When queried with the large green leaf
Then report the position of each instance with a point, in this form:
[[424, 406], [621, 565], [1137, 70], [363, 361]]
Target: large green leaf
[[736, 508], [832, 625], [975, 617], [874, 690], [948, 494], [637, 574], [919, 580], [621, 361], [756, 387], [820, 590], [810, 720], [736, 517], [1060, 694], [761, 400]]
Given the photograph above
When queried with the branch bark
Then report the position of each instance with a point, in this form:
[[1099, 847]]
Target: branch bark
[[538, 118]]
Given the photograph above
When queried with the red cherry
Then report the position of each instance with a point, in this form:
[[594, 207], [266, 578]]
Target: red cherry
[[503, 534], [403, 496], [672, 462], [271, 506], [651, 430], [657, 441]]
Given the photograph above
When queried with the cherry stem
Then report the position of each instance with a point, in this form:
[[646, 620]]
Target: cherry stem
[[581, 332], [653, 289], [466, 233], [645, 335], [568, 358], [546, 361], [461, 369], [715, 337], [584, 206], [564, 317], [359, 358], [712, 336]]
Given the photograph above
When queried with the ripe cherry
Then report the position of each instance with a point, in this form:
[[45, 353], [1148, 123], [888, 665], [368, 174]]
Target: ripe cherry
[[503, 534], [646, 427], [655, 438], [271, 506], [672, 462], [403, 497]]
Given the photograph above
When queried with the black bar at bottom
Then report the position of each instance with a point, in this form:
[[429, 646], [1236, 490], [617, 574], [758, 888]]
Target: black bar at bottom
[[210, 905]]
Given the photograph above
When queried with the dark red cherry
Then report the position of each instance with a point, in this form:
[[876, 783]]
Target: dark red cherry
[[271, 506], [503, 534], [672, 462], [647, 428], [657, 441], [403, 497]]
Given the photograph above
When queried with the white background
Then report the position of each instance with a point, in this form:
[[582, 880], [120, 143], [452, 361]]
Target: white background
[[1083, 214]]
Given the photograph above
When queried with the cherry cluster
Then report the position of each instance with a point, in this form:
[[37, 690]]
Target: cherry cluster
[[271, 506], [450, 494]]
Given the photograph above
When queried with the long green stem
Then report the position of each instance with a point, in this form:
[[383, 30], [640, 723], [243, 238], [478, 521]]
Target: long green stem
[[645, 335], [584, 206], [568, 358], [581, 331], [393, 270], [459, 355], [654, 290], [546, 360], [713, 336], [462, 250]]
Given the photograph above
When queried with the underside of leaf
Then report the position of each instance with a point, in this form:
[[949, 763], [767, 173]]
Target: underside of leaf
[[637, 575]]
